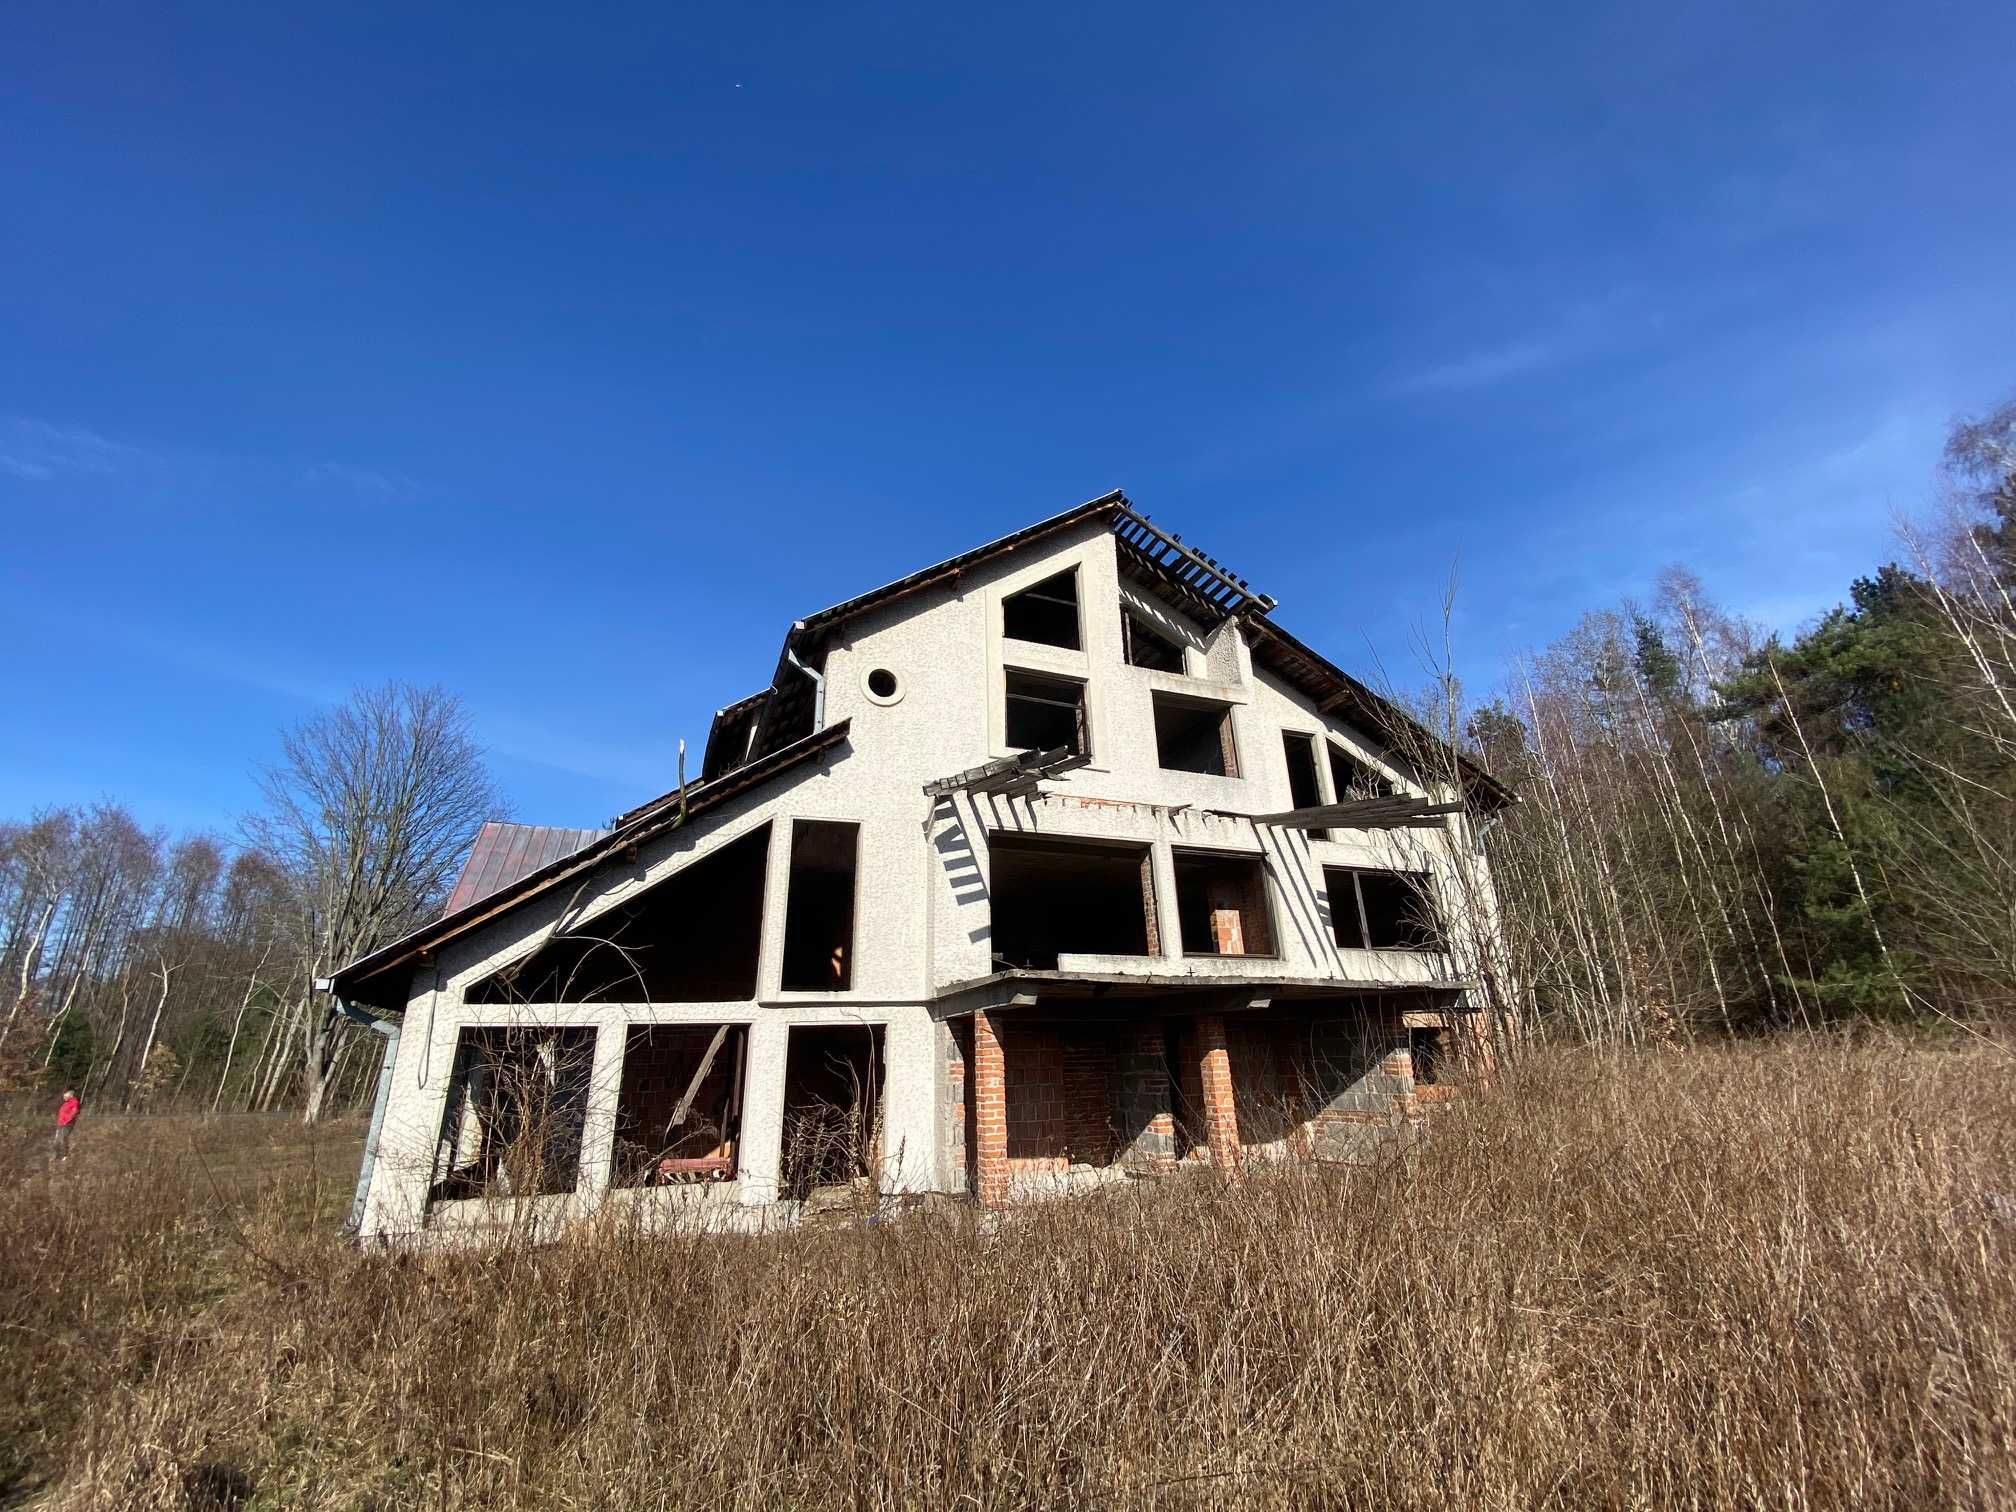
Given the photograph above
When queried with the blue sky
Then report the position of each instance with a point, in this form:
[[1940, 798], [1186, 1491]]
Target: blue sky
[[563, 356]]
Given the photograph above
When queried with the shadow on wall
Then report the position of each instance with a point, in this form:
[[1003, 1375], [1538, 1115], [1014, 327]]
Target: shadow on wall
[[962, 866]]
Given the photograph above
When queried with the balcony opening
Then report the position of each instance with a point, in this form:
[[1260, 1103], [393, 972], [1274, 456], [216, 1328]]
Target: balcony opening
[[1194, 736], [832, 1107], [1221, 904], [1148, 647], [517, 1103], [1351, 778], [679, 1107], [1046, 713], [692, 938], [1046, 614], [1305, 788], [1382, 910], [819, 907], [1056, 897]]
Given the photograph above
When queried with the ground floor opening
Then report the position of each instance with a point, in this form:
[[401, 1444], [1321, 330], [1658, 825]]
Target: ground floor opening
[[1065, 1093], [833, 1080]]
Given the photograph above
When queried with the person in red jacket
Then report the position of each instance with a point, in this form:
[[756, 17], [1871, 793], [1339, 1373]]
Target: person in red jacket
[[66, 1119]]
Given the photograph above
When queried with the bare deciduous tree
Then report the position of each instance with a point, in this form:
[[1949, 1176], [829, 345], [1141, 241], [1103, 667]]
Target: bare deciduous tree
[[370, 811]]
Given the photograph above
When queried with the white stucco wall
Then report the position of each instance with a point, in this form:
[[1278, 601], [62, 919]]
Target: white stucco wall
[[922, 916]]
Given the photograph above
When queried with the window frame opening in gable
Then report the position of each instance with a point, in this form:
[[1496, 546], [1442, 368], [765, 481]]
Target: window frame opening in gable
[[1028, 695], [1142, 645], [516, 1113], [1403, 912], [1305, 780], [832, 1109], [1051, 896], [1044, 614], [1194, 735], [694, 936], [1213, 884], [1352, 777], [679, 1104], [820, 904]]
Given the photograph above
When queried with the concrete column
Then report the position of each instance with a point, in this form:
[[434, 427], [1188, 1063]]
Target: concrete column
[[989, 1097], [598, 1130], [760, 1166], [910, 1074], [1163, 865], [1221, 1113]]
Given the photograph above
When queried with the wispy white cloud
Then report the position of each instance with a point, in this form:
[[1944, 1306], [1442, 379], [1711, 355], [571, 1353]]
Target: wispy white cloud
[[1484, 367], [1578, 331], [40, 452]]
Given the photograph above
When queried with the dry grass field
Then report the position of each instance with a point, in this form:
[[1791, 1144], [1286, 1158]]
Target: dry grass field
[[1783, 1276]]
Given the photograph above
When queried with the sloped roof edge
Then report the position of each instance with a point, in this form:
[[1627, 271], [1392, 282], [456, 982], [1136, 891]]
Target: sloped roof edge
[[379, 978], [1276, 648]]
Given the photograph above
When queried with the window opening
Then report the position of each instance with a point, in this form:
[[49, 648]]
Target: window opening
[[1305, 788], [1351, 778], [882, 683], [1045, 713], [692, 938], [517, 1103], [1221, 903], [819, 907], [832, 1107], [1046, 613], [1382, 910], [679, 1108], [1148, 647], [1194, 737], [1054, 897], [1430, 1052]]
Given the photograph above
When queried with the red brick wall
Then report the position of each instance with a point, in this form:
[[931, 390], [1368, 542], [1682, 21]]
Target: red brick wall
[[1058, 1086], [989, 1115]]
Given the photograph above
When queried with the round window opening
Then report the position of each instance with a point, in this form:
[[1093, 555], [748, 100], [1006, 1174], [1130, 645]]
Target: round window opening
[[882, 686]]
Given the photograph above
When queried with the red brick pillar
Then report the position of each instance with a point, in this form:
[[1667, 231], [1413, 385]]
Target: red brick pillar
[[1221, 1111], [989, 1098]]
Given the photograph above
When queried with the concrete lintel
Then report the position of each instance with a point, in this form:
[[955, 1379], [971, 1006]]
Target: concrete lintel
[[984, 998]]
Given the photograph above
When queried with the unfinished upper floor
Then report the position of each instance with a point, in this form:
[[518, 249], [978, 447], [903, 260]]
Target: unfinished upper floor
[[1139, 726]]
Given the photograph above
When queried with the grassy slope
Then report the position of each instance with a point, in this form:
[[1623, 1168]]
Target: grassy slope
[[1726, 1278]]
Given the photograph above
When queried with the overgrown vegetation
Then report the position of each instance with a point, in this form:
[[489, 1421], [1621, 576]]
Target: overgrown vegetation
[[1722, 830], [1776, 1275]]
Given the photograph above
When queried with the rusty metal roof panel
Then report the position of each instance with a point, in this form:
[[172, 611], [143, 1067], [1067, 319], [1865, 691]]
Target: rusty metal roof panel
[[505, 852]]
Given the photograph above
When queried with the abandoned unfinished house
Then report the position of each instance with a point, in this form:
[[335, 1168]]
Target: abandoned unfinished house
[[1054, 864]]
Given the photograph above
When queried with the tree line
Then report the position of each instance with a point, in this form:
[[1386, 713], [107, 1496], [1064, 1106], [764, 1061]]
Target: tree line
[[145, 969], [1726, 830]]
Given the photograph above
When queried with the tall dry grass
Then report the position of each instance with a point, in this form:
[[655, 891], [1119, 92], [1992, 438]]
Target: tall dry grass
[[1776, 1275]]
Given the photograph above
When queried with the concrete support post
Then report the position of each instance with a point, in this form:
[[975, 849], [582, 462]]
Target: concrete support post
[[989, 1096], [1221, 1113], [762, 1155], [598, 1131]]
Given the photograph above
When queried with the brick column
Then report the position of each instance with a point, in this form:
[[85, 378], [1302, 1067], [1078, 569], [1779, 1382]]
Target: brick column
[[990, 1115], [1221, 1112]]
